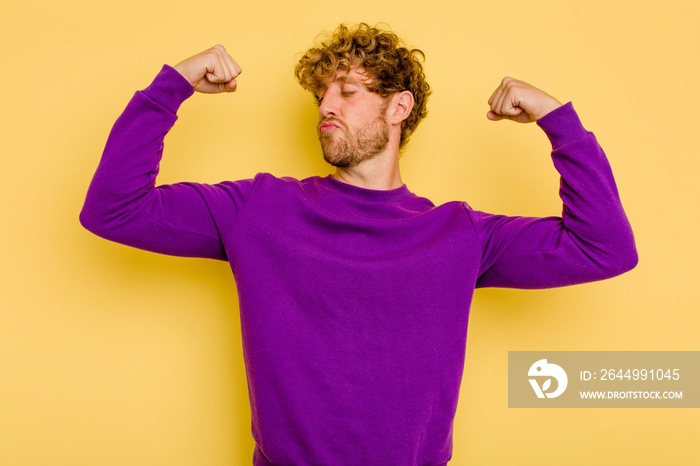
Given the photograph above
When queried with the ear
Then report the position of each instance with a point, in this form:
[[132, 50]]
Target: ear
[[402, 104]]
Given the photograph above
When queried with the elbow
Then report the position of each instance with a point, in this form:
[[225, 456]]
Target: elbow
[[627, 255], [90, 223], [632, 257], [92, 219], [626, 263], [87, 218], [622, 259]]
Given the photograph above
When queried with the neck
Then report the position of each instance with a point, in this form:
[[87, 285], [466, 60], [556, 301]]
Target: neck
[[380, 173]]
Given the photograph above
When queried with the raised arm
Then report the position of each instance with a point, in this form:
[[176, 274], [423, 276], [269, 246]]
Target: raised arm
[[123, 203], [592, 240]]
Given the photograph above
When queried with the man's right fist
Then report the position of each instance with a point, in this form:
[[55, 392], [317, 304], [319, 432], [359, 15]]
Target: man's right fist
[[211, 71]]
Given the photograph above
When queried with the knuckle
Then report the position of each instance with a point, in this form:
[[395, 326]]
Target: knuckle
[[218, 50]]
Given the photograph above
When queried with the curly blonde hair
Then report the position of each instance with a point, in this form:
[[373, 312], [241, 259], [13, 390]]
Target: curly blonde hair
[[389, 65]]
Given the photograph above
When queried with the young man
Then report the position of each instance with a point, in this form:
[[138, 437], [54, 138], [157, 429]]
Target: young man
[[354, 292]]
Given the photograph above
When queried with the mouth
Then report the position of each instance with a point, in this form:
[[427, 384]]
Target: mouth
[[327, 127]]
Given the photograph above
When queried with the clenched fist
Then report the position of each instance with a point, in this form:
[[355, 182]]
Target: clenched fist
[[211, 71], [519, 101]]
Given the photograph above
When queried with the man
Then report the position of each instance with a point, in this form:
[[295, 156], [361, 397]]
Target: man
[[354, 292]]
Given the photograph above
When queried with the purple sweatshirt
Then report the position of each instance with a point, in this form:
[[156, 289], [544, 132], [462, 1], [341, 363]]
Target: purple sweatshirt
[[354, 303]]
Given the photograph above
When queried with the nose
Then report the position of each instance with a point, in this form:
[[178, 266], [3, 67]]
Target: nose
[[329, 105]]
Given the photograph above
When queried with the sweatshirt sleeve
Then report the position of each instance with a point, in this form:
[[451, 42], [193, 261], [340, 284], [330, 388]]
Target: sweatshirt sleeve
[[592, 240], [123, 203]]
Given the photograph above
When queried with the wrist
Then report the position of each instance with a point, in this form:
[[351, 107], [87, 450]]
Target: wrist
[[169, 89], [562, 125], [547, 109]]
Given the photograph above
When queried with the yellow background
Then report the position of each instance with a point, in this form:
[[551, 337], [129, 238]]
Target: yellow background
[[114, 356]]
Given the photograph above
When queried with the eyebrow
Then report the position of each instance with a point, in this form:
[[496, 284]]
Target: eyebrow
[[348, 79], [343, 79]]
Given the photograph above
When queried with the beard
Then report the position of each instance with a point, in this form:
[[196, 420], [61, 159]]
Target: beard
[[354, 147]]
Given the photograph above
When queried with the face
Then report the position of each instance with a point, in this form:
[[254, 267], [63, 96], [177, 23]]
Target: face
[[352, 121]]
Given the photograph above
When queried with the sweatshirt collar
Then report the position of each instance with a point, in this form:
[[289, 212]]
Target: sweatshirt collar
[[373, 195]]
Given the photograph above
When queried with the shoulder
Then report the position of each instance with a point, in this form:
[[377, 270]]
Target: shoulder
[[267, 185]]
